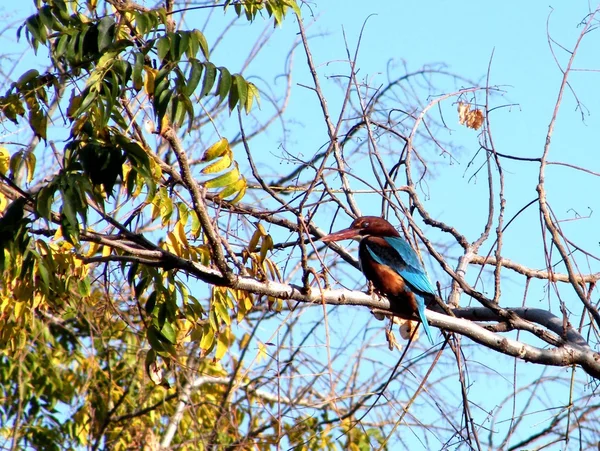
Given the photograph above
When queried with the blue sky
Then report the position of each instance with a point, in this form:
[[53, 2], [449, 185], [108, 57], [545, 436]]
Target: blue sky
[[462, 36]]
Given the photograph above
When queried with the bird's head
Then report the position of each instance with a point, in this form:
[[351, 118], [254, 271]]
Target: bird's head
[[361, 227]]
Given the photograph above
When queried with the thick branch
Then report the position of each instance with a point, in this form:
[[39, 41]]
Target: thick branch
[[572, 352], [214, 240]]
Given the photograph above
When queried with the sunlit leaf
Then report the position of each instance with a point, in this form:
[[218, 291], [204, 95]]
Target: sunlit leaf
[[216, 150], [472, 118], [4, 160], [228, 178]]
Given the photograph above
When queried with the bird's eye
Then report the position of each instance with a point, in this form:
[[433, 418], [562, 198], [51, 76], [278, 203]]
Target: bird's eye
[[364, 225]]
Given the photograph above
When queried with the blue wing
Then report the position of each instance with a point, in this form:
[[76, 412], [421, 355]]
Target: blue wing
[[411, 270], [410, 267]]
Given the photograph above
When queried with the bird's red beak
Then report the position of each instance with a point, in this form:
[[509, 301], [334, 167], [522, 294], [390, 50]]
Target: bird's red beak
[[346, 234]]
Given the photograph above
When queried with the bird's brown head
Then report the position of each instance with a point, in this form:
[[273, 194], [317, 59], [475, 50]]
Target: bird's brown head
[[363, 226]]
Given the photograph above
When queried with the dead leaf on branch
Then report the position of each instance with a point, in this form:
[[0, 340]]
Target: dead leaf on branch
[[472, 118]]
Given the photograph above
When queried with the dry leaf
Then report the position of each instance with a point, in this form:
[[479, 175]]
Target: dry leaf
[[155, 372], [391, 339], [407, 329], [468, 117], [463, 109]]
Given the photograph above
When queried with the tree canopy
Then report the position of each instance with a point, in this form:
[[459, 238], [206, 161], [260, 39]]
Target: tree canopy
[[163, 284]]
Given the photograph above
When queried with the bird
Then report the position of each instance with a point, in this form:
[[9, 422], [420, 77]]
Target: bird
[[391, 264]]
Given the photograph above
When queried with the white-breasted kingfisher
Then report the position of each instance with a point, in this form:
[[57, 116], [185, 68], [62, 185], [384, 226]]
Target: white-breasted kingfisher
[[391, 264]]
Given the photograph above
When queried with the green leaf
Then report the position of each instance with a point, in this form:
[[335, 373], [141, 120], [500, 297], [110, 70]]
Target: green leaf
[[44, 201], [44, 273], [209, 78], [28, 76], [169, 332], [183, 44], [203, 44], [241, 86], [189, 108], [194, 78], [106, 31], [162, 47], [150, 303], [30, 161], [292, 4], [38, 122], [84, 287], [233, 96], [161, 104], [37, 30], [46, 17], [179, 110], [239, 195], [141, 286], [90, 97], [61, 46], [158, 342], [142, 22], [224, 84], [225, 179], [174, 41]]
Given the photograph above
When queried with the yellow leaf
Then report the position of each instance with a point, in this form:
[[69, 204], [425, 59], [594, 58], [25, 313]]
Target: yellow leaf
[[58, 235], [37, 300], [18, 309], [247, 301], [262, 352], [273, 270], [239, 196], [255, 237], [180, 233], [208, 339], [155, 168], [30, 164], [253, 93], [216, 150], [225, 179], [236, 187], [244, 341], [126, 170], [222, 313], [266, 246], [4, 160], [94, 247], [149, 81], [223, 344], [221, 164], [3, 202], [173, 244]]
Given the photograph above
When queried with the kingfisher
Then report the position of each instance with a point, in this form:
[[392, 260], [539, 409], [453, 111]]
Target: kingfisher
[[391, 264]]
